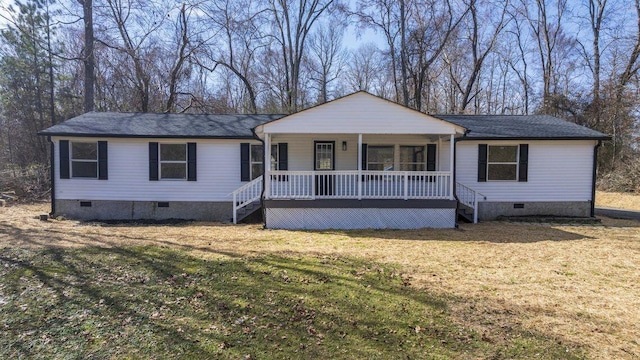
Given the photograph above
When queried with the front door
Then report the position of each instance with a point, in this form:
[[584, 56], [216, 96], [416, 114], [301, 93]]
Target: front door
[[324, 160]]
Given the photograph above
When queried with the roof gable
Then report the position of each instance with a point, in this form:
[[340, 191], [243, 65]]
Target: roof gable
[[363, 113]]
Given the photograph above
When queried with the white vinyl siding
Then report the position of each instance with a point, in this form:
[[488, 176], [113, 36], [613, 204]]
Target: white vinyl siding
[[360, 113], [557, 171], [218, 163]]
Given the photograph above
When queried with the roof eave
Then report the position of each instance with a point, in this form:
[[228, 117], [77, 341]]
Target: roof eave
[[471, 138], [234, 137]]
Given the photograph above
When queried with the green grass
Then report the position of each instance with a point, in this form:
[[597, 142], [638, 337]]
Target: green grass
[[155, 302]]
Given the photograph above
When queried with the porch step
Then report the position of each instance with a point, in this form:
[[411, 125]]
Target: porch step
[[465, 213], [248, 210]]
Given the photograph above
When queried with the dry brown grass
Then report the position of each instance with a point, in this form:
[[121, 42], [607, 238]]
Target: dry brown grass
[[616, 200], [578, 284]]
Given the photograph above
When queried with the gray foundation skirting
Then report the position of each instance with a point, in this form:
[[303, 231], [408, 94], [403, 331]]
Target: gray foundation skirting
[[359, 218], [144, 210], [494, 210]]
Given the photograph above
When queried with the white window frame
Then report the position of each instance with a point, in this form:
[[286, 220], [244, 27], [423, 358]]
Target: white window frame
[[252, 161], [160, 162], [424, 158], [72, 160], [516, 163], [397, 159]]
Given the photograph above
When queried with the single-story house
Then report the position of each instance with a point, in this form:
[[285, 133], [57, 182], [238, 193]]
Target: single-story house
[[359, 161]]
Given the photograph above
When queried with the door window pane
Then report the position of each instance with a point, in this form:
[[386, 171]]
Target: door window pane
[[324, 156]]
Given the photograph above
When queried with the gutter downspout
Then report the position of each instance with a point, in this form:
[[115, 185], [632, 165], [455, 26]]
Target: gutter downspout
[[593, 179], [264, 181], [453, 173], [53, 176]]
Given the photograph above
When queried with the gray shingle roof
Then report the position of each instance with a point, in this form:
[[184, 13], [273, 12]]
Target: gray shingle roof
[[239, 126], [520, 127], [112, 124]]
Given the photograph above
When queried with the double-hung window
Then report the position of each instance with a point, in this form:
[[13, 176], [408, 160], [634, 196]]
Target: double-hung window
[[412, 158], [257, 157], [173, 161], [502, 163], [84, 160], [380, 157]]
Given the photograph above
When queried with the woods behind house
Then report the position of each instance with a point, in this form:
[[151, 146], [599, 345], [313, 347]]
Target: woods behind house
[[577, 60]]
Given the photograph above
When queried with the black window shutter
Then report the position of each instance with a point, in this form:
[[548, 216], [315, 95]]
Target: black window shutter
[[191, 162], [283, 157], [64, 159], [364, 160], [102, 161], [245, 162], [364, 156], [153, 161], [482, 162], [431, 157], [523, 169]]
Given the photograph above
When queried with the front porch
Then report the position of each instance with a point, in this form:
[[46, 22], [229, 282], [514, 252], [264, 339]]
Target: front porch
[[382, 166], [359, 199]]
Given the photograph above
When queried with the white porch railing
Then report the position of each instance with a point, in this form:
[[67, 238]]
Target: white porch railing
[[470, 198], [352, 184], [245, 195]]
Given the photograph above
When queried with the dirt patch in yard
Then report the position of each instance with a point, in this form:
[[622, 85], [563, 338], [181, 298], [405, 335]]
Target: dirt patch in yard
[[575, 283]]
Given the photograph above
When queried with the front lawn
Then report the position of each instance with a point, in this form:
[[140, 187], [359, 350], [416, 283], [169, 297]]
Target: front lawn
[[150, 302], [493, 290]]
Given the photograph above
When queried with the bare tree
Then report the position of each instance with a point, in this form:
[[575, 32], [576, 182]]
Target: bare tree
[[185, 49], [88, 56], [483, 31], [521, 71], [135, 30], [293, 21], [241, 29], [367, 70], [383, 17], [546, 23], [327, 59]]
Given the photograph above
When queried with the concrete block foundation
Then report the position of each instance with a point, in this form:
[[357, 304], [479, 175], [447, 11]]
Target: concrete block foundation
[[493, 210], [144, 210]]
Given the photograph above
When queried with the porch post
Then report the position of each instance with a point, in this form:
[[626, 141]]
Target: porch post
[[359, 166], [438, 151], [451, 169], [266, 164]]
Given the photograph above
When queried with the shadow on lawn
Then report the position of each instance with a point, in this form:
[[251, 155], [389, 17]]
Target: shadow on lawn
[[493, 232], [150, 301]]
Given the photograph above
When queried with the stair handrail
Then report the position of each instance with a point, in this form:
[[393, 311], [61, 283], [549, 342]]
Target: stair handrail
[[245, 195], [470, 198]]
